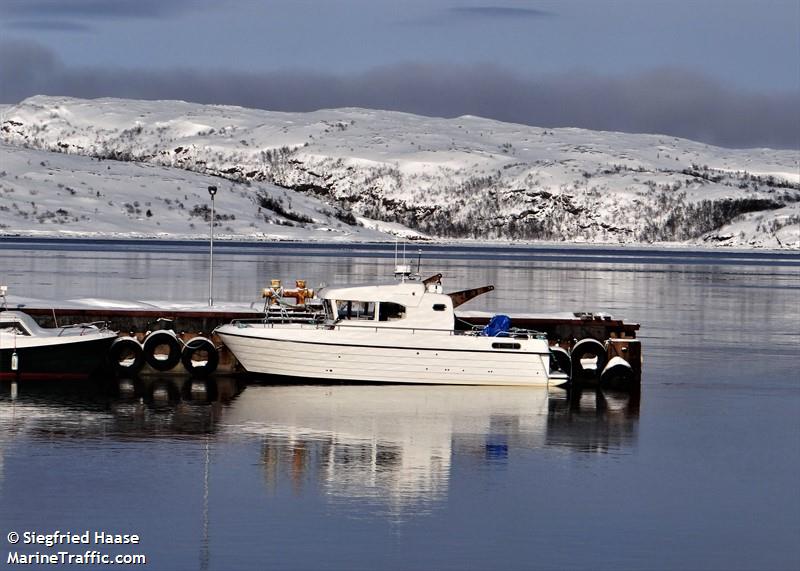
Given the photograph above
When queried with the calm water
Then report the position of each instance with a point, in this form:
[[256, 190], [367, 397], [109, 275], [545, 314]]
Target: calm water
[[700, 472]]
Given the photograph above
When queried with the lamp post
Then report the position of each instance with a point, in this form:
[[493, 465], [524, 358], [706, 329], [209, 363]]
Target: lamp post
[[212, 190]]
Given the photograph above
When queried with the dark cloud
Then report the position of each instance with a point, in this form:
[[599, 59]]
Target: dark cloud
[[48, 25], [500, 12], [669, 101], [93, 9], [465, 14]]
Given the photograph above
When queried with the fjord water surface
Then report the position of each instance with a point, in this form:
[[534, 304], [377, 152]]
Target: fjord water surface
[[698, 471]]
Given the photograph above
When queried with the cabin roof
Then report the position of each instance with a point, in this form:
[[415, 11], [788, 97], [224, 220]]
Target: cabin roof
[[23, 318], [16, 316], [407, 293]]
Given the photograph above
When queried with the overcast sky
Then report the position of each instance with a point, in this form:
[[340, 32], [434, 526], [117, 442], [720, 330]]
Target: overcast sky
[[722, 71]]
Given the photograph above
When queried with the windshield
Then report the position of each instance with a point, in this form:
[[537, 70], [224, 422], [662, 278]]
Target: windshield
[[13, 327]]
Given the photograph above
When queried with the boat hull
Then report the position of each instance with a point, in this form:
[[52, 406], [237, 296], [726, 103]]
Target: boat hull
[[373, 355], [75, 357]]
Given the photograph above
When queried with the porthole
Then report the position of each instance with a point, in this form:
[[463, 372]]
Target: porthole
[[506, 346]]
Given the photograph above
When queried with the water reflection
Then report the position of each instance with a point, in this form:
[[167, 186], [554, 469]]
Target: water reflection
[[592, 420], [396, 445], [168, 406], [509, 479]]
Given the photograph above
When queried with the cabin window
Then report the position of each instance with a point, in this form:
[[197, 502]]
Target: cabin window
[[364, 310], [349, 309], [439, 307], [389, 311], [506, 346], [13, 327]]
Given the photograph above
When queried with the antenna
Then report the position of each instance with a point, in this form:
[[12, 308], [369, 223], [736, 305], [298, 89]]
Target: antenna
[[402, 269], [406, 265]]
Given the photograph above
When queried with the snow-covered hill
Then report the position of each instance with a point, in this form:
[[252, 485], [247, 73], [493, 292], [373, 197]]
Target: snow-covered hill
[[464, 177], [54, 194]]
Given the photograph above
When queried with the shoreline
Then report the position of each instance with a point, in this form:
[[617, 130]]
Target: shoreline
[[18, 241]]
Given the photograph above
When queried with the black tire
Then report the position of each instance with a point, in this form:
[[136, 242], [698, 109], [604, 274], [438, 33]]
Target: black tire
[[617, 373], [162, 338], [560, 361], [126, 356], [588, 348], [194, 346]]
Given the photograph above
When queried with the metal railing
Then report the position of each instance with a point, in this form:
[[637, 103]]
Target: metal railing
[[93, 326]]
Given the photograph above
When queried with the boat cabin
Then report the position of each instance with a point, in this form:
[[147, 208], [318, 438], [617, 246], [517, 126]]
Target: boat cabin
[[404, 305], [23, 325]]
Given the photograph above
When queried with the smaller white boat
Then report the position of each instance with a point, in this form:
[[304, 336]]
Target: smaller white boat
[[397, 333], [29, 351]]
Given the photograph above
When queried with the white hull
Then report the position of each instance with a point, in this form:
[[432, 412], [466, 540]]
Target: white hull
[[388, 355]]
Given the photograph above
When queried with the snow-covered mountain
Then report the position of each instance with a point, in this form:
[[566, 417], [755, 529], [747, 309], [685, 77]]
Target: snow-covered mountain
[[464, 177], [54, 194]]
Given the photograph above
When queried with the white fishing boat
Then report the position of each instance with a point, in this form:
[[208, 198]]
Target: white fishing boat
[[30, 351], [397, 333]]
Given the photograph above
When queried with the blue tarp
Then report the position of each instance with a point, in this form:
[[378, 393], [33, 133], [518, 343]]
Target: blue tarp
[[497, 325]]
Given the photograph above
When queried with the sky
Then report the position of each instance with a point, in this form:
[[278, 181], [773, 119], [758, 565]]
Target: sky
[[725, 72]]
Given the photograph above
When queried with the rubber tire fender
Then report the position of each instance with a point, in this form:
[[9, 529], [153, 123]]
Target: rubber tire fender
[[588, 347], [118, 349], [617, 370], [560, 357], [200, 344], [162, 337]]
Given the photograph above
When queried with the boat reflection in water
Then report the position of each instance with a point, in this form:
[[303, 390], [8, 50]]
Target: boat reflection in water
[[135, 411], [156, 406], [397, 444]]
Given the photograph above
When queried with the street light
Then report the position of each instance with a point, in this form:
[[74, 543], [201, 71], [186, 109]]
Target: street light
[[212, 190]]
